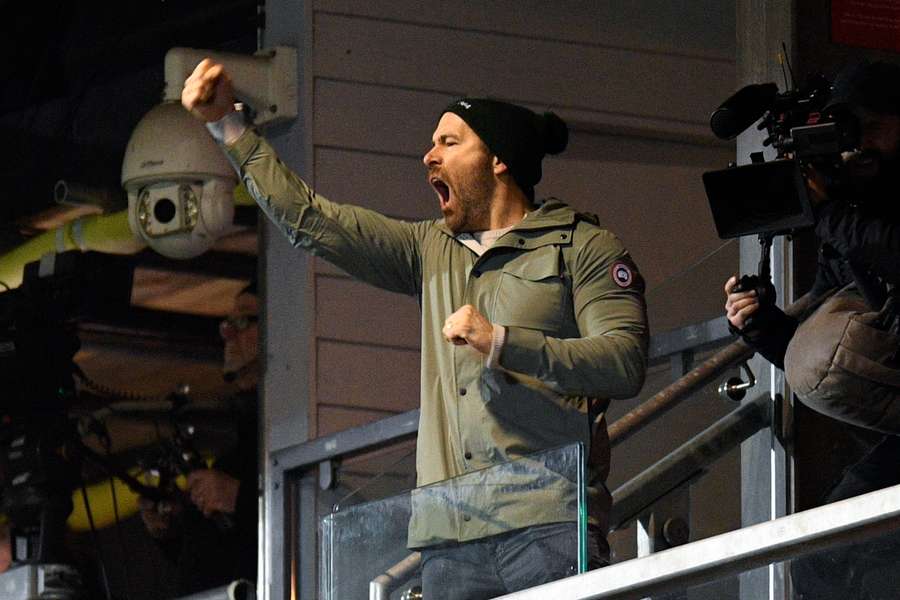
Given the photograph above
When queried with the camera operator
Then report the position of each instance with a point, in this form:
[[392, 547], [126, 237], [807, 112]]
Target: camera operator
[[207, 553], [858, 225]]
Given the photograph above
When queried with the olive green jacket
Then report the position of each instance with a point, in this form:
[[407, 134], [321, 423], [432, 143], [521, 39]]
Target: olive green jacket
[[576, 334]]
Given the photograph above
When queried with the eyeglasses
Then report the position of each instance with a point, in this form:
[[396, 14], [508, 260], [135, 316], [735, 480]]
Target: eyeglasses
[[233, 325]]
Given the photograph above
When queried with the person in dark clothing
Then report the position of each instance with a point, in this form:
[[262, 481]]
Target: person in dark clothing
[[858, 225], [212, 539]]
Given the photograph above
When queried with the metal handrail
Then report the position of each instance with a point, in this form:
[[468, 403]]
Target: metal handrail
[[348, 441], [688, 461], [688, 338], [668, 398], [240, 589], [381, 587], [853, 520]]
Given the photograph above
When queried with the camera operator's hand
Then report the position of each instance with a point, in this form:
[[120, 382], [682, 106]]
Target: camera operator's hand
[[213, 491], [207, 92], [739, 306]]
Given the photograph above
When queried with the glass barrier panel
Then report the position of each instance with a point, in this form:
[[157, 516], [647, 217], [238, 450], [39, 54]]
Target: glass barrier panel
[[377, 541], [378, 473]]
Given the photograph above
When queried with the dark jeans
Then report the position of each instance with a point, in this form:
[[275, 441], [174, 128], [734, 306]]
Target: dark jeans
[[505, 563]]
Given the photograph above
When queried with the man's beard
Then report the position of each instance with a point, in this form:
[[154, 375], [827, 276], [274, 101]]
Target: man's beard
[[473, 193]]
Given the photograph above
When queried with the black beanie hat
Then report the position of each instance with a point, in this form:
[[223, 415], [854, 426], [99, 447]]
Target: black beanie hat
[[519, 137], [874, 86]]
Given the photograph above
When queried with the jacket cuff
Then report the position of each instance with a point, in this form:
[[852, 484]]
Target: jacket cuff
[[521, 350], [498, 338], [230, 127], [242, 148]]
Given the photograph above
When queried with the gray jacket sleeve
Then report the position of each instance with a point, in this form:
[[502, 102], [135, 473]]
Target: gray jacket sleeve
[[376, 249]]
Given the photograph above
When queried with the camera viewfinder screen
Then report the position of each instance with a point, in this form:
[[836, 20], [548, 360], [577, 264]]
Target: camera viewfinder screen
[[758, 198]]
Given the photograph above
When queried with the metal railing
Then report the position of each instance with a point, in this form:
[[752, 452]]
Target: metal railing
[[381, 587], [689, 461], [713, 367], [854, 520], [236, 590]]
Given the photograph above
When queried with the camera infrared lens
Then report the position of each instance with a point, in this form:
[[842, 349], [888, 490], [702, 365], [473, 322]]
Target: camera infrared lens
[[164, 210]]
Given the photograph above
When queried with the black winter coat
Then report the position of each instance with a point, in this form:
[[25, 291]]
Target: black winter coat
[[859, 244]]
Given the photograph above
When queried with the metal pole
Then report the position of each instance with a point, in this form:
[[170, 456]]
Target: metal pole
[[381, 587], [854, 520], [640, 493], [236, 590], [668, 398]]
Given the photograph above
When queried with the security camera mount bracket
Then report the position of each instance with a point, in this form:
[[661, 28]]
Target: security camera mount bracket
[[266, 80]]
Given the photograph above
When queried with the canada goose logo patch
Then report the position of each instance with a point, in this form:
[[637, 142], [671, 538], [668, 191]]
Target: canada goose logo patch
[[621, 274]]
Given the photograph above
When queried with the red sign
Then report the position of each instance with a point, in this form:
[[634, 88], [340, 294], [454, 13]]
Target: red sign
[[866, 23]]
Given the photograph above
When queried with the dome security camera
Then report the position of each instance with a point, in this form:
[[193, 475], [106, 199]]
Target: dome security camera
[[179, 183]]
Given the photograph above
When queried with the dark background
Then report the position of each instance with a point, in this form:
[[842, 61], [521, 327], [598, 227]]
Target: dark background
[[75, 79]]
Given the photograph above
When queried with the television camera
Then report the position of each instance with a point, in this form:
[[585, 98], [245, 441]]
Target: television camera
[[178, 456], [809, 129], [41, 451]]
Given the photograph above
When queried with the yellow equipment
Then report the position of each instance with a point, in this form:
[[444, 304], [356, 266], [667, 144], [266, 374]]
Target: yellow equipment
[[112, 234]]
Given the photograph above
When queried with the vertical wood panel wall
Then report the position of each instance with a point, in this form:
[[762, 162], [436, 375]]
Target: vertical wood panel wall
[[635, 80]]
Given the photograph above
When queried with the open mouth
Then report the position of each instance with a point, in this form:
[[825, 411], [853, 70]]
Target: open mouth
[[442, 189]]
